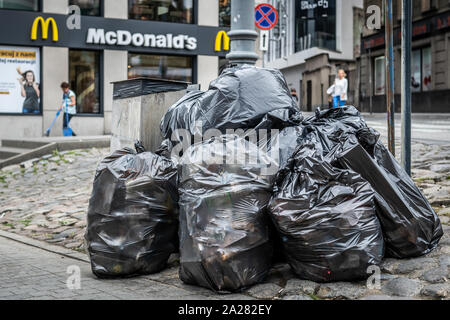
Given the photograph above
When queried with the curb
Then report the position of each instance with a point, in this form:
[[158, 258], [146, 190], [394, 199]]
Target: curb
[[45, 246]]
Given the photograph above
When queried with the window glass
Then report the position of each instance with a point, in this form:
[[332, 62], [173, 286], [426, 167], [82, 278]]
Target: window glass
[[87, 7], [380, 76], [84, 75], [157, 66], [181, 11], [31, 5], [315, 24], [426, 69], [225, 13], [416, 72]]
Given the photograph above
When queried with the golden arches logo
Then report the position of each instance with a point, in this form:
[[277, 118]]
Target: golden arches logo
[[222, 38], [45, 24]]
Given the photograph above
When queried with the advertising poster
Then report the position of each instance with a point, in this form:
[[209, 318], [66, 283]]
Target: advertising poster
[[20, 80]]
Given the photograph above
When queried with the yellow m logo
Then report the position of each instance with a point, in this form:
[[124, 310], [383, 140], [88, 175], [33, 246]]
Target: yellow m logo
[[222, 37], [45, 24]]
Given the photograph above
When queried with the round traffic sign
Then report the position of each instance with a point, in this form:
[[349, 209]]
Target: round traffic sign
[[266, 16]]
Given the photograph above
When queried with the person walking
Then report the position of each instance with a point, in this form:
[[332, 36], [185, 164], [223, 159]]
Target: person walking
[[69, 105], [29, 89], [340, 90]]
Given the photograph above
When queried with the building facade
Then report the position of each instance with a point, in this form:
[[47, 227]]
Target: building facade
[[313, 39], [430, 69], [42, 43]]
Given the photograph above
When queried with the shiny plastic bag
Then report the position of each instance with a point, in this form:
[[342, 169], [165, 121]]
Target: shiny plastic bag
[[132, 217], [225, 185], [410, 225], [242, 97], [326, 219]]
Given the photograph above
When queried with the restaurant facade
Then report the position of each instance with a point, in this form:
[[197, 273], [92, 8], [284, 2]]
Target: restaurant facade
[[92, 43]]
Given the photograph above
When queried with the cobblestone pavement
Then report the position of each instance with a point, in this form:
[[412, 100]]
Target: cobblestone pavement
[[46, 199]]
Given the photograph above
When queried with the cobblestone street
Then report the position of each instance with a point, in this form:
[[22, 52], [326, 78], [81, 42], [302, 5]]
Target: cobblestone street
[[46, 199]]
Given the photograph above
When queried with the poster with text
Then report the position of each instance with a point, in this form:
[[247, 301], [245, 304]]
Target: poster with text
[[20, 80]]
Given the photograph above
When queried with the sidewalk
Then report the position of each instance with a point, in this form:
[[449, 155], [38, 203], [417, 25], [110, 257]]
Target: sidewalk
[[28, 272]]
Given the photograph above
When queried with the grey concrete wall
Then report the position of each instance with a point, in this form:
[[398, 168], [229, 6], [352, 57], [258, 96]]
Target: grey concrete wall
[[18, 126], [118, 59], [208, 13], [86, 126], [55, 6], [116, 9], [125, 112], [208, 69], [55, 63], [138, 118], [154, 107]]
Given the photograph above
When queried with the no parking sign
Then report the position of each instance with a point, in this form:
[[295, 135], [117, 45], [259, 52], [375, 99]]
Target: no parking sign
[[266, 16]]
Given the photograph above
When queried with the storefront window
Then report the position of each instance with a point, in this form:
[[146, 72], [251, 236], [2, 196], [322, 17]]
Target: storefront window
[[163, 67], [421, 70], [84, 75], [315, 24], [20, 78], [87, 7], [380, 76], [30, 5], [181, 11], [225, 13]]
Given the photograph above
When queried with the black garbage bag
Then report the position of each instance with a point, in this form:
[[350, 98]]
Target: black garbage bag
[[242, 97], [410, 225], [225, 186], [326, 218], [132, 217]]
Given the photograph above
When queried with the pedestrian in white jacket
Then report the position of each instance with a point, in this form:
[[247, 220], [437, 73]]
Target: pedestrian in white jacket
[[340, 90]]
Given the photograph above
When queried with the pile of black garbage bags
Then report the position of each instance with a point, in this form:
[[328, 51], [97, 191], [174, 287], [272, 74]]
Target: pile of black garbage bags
[[255, 180]]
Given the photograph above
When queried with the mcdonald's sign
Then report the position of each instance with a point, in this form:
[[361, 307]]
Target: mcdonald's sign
[[222, 38], [45, 24]]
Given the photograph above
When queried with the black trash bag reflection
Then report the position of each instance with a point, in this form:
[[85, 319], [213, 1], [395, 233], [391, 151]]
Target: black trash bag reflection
[[326, 218], [224, 236], [132, 217]]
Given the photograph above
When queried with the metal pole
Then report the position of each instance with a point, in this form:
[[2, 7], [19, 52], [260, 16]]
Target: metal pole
[[390, 75], [242, 34], [406, 84], [370, 82]]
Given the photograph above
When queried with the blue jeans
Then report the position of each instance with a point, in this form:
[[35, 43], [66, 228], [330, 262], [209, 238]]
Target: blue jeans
[[25, 110], [337, 102]]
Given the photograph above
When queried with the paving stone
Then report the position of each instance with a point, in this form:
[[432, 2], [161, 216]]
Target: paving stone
[[408, 266], [444, 261], [403, 287], [297, 297], [68, 233], [297, 286], [436, 275], [385, 297], [264, 291], [340, 290], [389, 265], [436, 290]]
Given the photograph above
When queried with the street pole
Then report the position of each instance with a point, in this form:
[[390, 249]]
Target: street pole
[[406, 84], [370, 82], [390, 75], [242, 34]]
